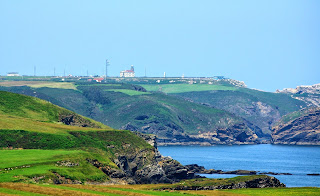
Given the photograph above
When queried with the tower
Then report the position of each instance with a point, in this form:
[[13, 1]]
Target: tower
[[107, 64]]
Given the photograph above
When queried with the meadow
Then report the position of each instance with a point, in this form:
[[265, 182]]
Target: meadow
[[142, 190], [182, 88]]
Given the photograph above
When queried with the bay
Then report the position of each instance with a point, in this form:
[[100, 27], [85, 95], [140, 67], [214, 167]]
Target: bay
[[297, 160]]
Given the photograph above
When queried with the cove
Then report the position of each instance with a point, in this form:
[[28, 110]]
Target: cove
[[297, 160]]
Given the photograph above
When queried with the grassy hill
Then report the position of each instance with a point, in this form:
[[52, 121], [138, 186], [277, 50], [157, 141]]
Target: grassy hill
[[260, 108], [50, 149], [126, 106]]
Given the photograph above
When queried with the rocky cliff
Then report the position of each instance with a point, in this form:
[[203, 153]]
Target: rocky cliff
[[301, 128], [236, 134], [309, 94]]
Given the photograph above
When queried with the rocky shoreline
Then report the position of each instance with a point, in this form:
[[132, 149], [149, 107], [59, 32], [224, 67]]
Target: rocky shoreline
[[197, 184], [195, 168], [133, 169]]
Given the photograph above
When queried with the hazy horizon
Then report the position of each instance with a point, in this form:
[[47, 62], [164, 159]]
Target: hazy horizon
[[267, 44]]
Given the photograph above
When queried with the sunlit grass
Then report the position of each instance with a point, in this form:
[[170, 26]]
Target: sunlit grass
[[305, 191], [24, 164], [40, 84], [140, 190], [182, 88], [18, 123], [36, 189]]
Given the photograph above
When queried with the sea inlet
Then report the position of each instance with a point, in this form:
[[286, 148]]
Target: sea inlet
[[296, 160]]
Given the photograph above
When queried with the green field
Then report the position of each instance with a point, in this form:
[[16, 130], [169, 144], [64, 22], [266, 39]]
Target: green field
[[305, 191], [143, 190], [19, 123], [182, 88], [33, 124], [25, 164]]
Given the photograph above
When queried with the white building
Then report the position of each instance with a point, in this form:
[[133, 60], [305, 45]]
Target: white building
[[128, 73], [12, 74]]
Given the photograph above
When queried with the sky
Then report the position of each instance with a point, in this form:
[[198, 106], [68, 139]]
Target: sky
[[268, 44]]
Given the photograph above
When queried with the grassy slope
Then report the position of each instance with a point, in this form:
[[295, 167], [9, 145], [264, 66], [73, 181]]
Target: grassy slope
[[294, 115], [31, 123], [117, 105], [21, 165], [189, 116], [24, 189], [181, 88], [243, 102], [35, 109], [284, 102]]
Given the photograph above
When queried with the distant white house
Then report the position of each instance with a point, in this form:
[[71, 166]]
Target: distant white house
[[128, 73], [12, 74]]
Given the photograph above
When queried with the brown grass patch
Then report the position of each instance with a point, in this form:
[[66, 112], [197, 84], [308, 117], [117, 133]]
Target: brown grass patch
[[105, 189], [42, 190], [6, 194], [39, 84], [136, 186], [211, 193]]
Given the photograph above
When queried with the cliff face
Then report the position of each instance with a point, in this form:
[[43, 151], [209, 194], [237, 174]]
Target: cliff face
[[134, 169], [304, 129], [262, 109], [236, 134]]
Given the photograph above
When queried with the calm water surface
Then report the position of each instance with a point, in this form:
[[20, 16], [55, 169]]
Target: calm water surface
[[297, 160]]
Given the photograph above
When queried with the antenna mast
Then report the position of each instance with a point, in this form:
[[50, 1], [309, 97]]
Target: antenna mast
[[107, 64]]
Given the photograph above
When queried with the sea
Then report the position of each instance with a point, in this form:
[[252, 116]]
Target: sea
[[297, 160]]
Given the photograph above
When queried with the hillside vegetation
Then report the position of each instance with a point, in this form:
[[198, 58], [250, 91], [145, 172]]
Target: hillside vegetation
[[178, 113], [130, 107], [143, 190], [262, 109], [71, 145]]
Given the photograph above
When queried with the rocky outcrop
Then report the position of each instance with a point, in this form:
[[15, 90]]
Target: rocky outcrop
[[312, 89], [236, 134], [309, 94], [261, 181], [302, 130], [76, 120], [201, 170], [149, 138], [145, 167]]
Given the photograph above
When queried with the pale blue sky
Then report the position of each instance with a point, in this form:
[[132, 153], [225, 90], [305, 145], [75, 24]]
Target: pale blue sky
[[267, 44]]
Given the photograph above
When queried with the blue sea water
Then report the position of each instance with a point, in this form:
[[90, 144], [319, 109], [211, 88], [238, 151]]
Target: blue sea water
[[297, 160]]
